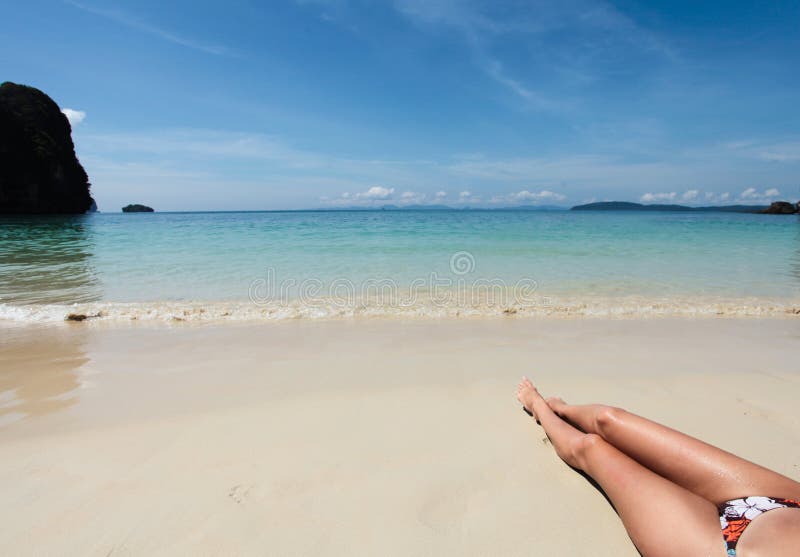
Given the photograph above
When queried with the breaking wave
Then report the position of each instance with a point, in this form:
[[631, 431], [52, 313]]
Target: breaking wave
[[246, 311]]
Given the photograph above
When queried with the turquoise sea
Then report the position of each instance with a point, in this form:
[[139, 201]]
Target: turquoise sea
[[255, 265]]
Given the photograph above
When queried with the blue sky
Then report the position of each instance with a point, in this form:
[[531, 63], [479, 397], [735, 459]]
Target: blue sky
[[312, 103]]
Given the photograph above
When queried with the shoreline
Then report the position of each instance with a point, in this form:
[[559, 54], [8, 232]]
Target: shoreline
[[394, 437], [218, 312]]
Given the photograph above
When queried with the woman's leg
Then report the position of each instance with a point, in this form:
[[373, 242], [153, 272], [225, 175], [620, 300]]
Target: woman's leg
[[704, 469], [662, 518]]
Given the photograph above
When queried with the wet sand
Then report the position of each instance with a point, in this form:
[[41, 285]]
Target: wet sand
[[357, 437]]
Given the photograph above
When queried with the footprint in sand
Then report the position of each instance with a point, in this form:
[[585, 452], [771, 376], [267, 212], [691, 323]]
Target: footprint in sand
[[239, 492], [754, 410]]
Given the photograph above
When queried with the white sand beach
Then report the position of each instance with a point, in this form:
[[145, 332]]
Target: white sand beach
[[357, 437]]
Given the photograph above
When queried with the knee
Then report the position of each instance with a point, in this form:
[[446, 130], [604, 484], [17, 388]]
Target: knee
[[608, 418], [582, 448]]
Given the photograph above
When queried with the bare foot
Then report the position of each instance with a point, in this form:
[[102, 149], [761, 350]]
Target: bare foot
[[528, 395], [557, 404], [568, 441]]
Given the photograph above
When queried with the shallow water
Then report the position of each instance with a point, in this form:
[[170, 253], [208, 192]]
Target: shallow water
[[277, 258]]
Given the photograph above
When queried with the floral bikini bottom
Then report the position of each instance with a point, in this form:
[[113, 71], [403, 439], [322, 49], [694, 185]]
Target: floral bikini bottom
[[736, 515]]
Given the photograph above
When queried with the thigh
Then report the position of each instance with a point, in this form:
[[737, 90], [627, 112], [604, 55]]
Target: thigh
[[662, 518], [704, 469]]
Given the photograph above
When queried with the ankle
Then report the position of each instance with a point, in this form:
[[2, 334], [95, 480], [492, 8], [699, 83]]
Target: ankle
[[540, 406]]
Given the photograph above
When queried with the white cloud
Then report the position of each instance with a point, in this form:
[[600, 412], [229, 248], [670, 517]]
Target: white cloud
[[712, 197], [664, 196], [467, 196], [752, 194], [532, 196], [75, 117], [376, 193], [370, 198], [412, 197], [690, 195]]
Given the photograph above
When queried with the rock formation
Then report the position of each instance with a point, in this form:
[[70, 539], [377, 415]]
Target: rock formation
[[136, 208], [781, 208], [39, 172]]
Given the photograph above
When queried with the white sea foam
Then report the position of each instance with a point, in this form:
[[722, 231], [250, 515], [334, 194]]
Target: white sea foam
[[220, 312]]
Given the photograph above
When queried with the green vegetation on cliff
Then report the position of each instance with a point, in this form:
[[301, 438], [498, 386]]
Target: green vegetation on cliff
[[39, 172]]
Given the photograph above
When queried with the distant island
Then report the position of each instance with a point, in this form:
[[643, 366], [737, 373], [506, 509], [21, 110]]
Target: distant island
[[39, 172], [444, 208], [137, 208], [776, 208], [779, 207]]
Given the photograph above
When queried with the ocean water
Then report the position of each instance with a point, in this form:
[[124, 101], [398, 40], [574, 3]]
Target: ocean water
[[271, 265]]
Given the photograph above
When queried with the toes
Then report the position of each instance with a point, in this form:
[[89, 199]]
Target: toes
[[526, 390]]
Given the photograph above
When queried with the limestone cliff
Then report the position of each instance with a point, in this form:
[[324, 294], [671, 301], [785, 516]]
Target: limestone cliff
[[39, 172]]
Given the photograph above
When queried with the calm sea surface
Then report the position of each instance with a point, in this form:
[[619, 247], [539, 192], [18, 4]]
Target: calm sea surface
[[226, 257]]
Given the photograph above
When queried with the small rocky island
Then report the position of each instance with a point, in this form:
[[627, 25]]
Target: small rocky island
[[137, 208], [39, 172], [782, 208]]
